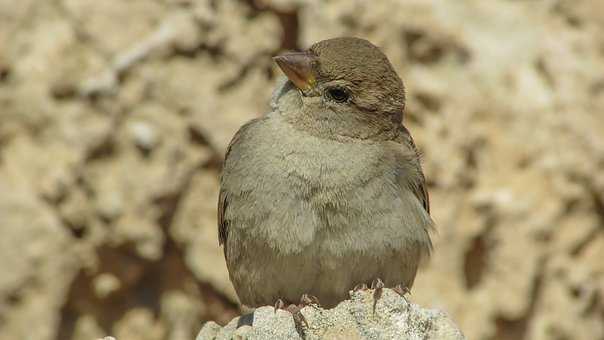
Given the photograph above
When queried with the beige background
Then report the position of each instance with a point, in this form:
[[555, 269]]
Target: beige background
[[114, 116]]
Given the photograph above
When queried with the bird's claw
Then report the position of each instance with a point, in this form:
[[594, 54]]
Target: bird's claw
[[360, 287], [279, 304], [378, 287], [309, 300], [377, 284], [402, 291], [296, 311]]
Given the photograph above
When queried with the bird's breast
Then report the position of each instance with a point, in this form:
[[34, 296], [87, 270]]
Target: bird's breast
[[326, 165], [299, 191]]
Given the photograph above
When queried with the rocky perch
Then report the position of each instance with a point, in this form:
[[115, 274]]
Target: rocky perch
[[394, 318]]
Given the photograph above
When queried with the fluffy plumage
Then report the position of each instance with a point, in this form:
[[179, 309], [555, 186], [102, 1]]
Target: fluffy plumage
[[321, 195]]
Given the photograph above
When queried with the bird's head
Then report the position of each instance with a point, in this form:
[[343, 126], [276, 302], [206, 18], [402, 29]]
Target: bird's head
[[346, 86]]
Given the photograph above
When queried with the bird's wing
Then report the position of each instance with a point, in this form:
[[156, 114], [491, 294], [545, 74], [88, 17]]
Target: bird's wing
[[222, 225], [223, 196], [418, 188]]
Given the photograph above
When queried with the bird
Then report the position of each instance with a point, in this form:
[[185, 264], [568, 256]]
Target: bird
[[325, 192]]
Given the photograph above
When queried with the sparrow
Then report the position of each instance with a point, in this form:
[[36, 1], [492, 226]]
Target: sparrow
[[326, 191]]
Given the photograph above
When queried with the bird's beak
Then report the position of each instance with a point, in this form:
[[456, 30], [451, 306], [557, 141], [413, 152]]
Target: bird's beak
[[298, 67]]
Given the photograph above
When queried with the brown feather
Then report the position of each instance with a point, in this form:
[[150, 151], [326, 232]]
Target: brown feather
[[223, 197], [419, 189]]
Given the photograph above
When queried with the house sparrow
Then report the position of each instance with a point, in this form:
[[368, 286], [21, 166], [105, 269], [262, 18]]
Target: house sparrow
[[326, 191]]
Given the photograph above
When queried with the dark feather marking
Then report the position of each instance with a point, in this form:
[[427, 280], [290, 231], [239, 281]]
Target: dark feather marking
[[223, 196], [419, 188]]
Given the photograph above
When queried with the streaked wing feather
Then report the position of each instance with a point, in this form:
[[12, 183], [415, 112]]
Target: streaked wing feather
[[419, 188], [223, 196]]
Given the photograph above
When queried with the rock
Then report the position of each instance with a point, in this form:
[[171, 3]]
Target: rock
[[144, 136], [394, 318], [33, 245]]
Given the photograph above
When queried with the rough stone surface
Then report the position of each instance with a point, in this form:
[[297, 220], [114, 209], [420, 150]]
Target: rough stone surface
[[114, 117], [394, 318]]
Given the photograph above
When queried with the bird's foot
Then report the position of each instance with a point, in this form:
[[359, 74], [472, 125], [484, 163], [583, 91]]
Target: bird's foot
[[360, 287], [279, 304], [309, 300], [296, 311], [305, 300], [378, 287], [402, 291]]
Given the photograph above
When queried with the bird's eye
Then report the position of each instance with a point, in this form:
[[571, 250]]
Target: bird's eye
[[337, 94]]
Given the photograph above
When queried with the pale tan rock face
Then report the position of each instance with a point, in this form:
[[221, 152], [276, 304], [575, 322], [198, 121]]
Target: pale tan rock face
[[114, 117], [356, 318]]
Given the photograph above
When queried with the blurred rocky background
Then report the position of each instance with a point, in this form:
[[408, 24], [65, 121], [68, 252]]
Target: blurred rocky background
[[115, 115]]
